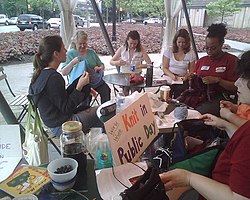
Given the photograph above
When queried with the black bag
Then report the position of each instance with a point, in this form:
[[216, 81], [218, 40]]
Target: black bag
[[148, 187], [177, 149], [86, 92], [197, 93]]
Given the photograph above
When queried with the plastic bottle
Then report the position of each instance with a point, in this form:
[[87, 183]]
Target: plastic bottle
[[120, 100], [103, 155], [149, 75]]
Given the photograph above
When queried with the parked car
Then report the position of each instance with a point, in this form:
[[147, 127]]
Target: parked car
[[152, 20], [13, 21], [4, 19], [78, 21], [129, 21], [54, 22], [30, 21]]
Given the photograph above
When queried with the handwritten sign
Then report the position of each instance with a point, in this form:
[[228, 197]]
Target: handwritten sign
[[10, 149], [131, 131]]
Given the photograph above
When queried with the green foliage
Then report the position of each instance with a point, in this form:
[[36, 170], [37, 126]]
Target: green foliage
[[136, 7], [40, 7], [223, 8], [12, 8]]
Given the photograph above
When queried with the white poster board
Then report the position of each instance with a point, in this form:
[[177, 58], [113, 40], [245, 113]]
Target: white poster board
[[10, 149], [131, 131]]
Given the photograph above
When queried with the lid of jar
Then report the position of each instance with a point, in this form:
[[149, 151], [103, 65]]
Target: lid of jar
[[71, 126]]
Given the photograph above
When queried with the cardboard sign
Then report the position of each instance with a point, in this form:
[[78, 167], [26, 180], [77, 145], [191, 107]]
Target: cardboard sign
[[10, 149], [131, 131]]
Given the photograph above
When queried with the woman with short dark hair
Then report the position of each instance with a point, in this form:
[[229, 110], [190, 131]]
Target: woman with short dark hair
[[217, 69]]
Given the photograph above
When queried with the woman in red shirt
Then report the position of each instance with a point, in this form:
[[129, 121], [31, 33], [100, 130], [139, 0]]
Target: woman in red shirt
[[217, 70]]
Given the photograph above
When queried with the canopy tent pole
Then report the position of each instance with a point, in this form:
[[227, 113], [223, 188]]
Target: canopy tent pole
[[189, 27], [103, 28], [113, 20]]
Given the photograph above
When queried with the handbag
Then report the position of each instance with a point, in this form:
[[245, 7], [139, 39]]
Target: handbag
[[35, 146], [95, 77], [148, 187]]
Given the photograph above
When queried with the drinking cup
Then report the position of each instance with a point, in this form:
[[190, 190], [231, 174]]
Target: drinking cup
[[164, 93]]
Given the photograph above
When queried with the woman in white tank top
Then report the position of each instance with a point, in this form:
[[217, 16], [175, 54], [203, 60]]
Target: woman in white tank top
[[132, 53]]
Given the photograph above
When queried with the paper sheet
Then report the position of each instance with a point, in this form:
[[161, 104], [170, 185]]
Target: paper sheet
[[109, 187], [10, 149]]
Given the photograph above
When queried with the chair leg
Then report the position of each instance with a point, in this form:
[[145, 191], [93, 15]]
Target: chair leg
[[95, 100], [52, 142], [22, 114]]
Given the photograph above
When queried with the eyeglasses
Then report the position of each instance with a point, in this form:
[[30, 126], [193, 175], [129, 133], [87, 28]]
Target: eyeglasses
[[210, 48]]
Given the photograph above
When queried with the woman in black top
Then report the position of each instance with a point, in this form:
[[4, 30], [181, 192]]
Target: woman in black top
[[47, 89]]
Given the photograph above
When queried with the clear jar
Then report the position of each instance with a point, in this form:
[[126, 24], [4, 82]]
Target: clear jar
[[73, 145]]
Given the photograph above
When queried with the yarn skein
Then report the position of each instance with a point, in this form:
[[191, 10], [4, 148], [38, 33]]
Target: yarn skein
[[181, 112]]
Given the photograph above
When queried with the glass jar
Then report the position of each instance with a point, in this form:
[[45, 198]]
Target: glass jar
[[73, 145]]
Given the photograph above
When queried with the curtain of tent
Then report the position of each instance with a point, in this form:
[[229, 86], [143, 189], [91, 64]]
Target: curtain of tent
[[172, 8], [67, 28]]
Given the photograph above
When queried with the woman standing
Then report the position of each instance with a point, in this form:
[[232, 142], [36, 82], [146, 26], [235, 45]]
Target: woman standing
[[80, 59], [47, 89], [178, 61], [217, 69], [132, 53]]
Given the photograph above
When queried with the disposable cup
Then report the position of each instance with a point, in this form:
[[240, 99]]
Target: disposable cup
[[164, 93]]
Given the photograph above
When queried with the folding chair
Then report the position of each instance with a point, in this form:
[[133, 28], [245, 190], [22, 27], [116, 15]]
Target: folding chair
[[18, 100], [44, 131]]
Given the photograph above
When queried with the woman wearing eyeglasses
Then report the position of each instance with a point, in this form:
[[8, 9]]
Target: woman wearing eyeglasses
[[217, 70]]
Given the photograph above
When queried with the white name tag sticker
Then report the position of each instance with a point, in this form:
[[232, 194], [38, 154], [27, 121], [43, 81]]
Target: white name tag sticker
[[220, 69], [205, 68]]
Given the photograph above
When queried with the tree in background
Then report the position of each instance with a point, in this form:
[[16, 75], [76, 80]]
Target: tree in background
[[223, 8], [12, 8]]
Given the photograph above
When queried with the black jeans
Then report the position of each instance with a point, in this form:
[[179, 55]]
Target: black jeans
[[104, 92]]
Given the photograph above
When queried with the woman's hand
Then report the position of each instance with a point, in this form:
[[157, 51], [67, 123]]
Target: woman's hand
[[175, 178], [225, 113], [229, 105], [210, 80], [214, 121], [121, 62], [75, 61], [83, 80]]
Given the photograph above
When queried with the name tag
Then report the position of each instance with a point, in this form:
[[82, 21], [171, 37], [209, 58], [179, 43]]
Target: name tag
[[205, 68], [220, 69]]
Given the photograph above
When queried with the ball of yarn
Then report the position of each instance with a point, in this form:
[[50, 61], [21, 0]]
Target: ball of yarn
[[181, 112]]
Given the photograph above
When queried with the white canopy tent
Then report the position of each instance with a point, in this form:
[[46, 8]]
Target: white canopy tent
[[67, 28], [173, 8]]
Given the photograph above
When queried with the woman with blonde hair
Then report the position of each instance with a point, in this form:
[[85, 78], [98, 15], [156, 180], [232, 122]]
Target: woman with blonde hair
[[80, 59]]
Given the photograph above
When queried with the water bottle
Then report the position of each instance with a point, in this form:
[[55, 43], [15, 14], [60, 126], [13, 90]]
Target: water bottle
[[120, 100], [103, 155], [149, 75]]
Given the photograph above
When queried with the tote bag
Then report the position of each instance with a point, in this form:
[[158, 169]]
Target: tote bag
[[35, 146]]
